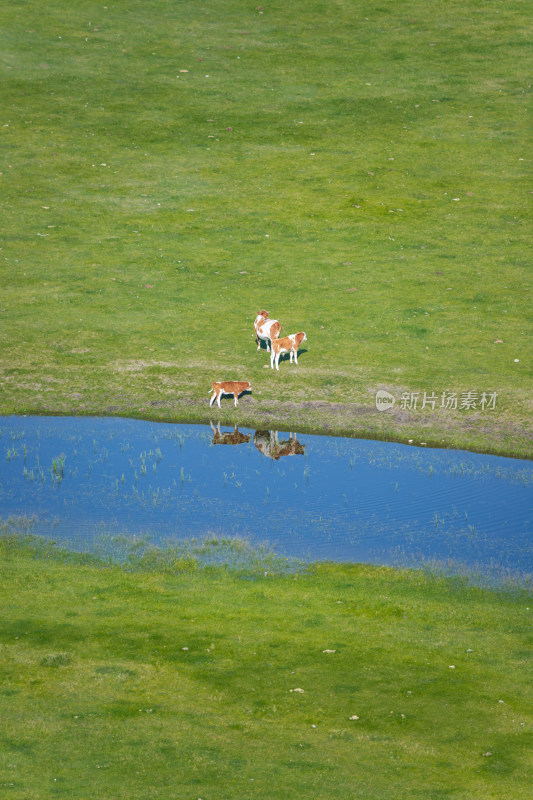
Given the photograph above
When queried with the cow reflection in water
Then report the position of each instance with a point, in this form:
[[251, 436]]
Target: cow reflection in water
[[229, 437], [268, 444]]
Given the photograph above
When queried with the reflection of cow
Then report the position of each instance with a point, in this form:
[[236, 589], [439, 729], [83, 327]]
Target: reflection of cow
[[228, 437], [268, 444]]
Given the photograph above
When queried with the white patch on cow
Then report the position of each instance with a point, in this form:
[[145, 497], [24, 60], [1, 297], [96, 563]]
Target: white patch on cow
[[263, 330]]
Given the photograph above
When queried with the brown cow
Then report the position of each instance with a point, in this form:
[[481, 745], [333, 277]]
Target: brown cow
[[266, 329], [235, 388], [289, 344]]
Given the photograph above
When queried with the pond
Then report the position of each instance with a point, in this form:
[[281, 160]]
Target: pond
[[308, 497]]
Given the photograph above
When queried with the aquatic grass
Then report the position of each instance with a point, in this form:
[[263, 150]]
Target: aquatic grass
[[58, 468], [16, 525], [139, 553], [494, 577]]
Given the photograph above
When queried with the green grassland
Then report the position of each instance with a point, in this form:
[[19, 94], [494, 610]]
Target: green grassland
[[357, 169], [360, 170], [164, 679]]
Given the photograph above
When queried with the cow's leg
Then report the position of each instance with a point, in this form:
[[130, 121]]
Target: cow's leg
[[272, 356], [219, 395], [213, 398], [296, 356], [235, 397], [268, 346], [277, 360], [258, 340]]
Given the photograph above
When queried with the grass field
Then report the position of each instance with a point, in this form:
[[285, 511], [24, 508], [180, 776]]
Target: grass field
[[359, 170], [166, 680]]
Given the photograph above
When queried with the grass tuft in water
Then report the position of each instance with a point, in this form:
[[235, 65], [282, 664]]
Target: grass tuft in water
[[190, 555]]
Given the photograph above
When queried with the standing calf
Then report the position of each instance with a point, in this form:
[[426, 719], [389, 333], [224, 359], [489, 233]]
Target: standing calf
[[266, 329], [229, 387], [289, 344]]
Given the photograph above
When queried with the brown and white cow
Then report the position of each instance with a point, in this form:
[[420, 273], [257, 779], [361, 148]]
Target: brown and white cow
[[229, 437], [268, 444], [289, 344], [235, 388], [266, 329]]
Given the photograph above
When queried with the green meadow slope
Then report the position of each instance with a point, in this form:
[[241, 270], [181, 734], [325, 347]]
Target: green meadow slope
[[164, 681], [358, 169]]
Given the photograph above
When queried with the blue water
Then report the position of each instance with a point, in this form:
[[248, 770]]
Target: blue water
[[332, 498]]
